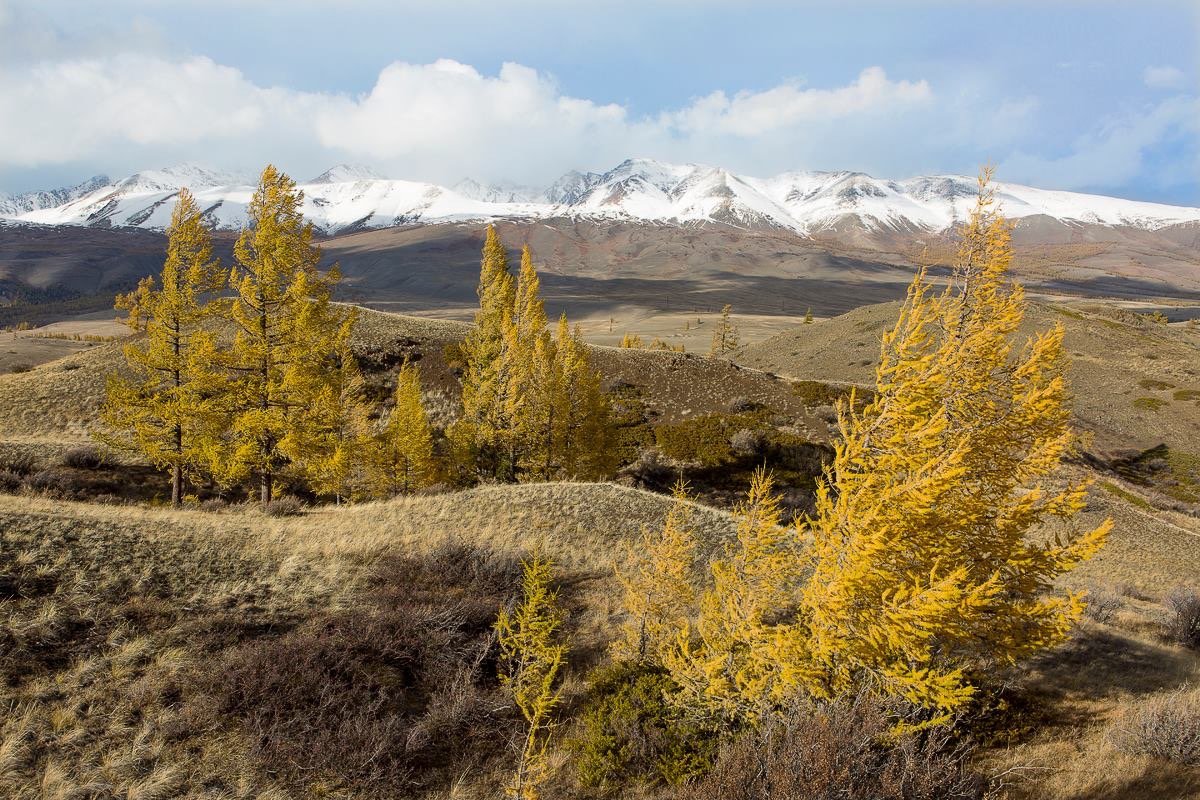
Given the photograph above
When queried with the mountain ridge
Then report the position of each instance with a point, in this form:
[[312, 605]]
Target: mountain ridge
[[353, 197]]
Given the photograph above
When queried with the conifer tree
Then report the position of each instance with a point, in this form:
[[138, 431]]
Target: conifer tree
[[531, 656], [340, 418], [486, 423], [631, 341], [929, 563], [585, 417], [286, 334], [746, 655], [163, 408], [403, 460], [808, 317], [530, 371], [659, 585], [725, 337]]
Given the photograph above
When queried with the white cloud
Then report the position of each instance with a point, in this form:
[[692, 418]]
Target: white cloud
[[1165, 77], [447, 120], [1114, 154]]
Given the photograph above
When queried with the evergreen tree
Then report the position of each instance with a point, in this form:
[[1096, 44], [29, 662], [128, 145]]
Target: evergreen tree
[[929, 567], [286, 335], [340, 417], [163, 408], [808, 317], [725, 337], [404, 457], [585, 425], [631, 341], [531, 656]]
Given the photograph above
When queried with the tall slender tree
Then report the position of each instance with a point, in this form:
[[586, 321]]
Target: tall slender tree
[[162, 407], [336, 463], [403, 459], [286, 337]]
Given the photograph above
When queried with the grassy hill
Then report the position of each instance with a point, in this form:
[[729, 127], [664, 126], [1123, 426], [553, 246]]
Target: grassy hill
[[1135, 383]]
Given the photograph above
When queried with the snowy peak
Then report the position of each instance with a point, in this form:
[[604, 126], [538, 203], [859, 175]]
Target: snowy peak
[[351, 197], [347, 173]]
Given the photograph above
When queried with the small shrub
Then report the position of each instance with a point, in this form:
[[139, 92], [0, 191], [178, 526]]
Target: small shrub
[[746, 442], [1166, 726], [213, 505], [739, 405], [1184, 624], [629, 730], [286, 506], [54, 483], [10, 481], [1102, 605], [84, 456], [1155, 385], [650, 470], [19, 368], [840, 750], [1150, 403], [20, 463]]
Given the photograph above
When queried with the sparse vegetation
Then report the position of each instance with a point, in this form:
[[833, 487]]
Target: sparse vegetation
[[1166, 726]]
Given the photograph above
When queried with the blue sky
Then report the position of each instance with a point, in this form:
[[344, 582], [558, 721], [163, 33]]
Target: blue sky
[[1101, 97]]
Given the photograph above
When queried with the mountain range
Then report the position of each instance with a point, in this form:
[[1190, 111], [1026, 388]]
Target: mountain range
[[347, 198]]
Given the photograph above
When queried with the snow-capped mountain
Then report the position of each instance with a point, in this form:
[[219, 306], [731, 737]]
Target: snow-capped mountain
[[349, 197]]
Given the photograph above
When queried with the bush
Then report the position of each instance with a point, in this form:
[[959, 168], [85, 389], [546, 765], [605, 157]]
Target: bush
[[1184, 624], [55, 483], [286, 506], [651, 471], [84, 456], [628, 730], [213, 505], [1166, 726], [1102, 605], [746, 442], [740, 404], [20, 463], [397, 694], [10, 481], [19, 368], [839, 750]]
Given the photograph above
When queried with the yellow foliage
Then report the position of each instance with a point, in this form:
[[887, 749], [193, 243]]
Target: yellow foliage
[[286, 333], [659, 591], [928, 567], [631, 341], [530, 659], [725, 336], [163, 406], [403, 458]]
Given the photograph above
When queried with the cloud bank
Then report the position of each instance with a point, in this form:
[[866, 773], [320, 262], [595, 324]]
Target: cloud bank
[[446, 120]]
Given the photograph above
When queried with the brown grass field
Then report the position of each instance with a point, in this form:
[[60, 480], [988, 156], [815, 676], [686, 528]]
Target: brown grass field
[[131, 634]]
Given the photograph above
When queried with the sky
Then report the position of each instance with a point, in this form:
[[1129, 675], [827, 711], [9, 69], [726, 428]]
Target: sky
[[1097, 96]]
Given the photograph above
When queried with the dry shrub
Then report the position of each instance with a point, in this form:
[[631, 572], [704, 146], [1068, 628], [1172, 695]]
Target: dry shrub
[[18, 462], [746, 442], [84, 456], [1102, 606], [1184, 624], [10, 481], [396, 695], [840, 750], [284, 507], [1166, 726]]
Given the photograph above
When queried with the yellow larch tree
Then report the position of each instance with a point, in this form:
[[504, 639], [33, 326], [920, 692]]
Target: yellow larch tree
[[336, 459], [746, 655], [584, 418], [163, 407], [482, 432], [725, 336], [403, 458], [286, 335], [658, 579], [930, 561], [531, 656]]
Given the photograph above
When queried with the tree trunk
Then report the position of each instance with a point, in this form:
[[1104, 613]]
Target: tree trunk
[[177, 485], [266, 485]]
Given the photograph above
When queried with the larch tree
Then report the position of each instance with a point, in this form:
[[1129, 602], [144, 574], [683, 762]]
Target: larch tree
[[659, 585], [808, 316], [163, 408], [335, 462], [931, 562], [403, 460], [482, 432], [725, 336], [584, 419], [286, 337], [531, 357], [745, 655], [531, 656]]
